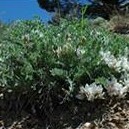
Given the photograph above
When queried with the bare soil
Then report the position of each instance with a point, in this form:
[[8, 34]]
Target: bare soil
[[100, 114]]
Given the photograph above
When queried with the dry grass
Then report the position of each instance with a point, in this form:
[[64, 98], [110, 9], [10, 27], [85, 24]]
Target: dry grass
[[119, 24]]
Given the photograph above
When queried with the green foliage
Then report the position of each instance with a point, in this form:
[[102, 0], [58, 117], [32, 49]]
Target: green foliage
[[39, 58]]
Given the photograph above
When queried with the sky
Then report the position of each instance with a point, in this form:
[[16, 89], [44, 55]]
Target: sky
[[11, 10]]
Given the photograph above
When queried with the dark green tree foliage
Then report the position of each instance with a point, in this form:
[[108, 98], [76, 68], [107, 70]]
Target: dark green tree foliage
[[102, 8], [112, 5], [62, 6], [105, 8]]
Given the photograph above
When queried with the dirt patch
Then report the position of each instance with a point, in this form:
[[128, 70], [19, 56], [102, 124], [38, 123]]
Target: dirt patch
[[77, 115]]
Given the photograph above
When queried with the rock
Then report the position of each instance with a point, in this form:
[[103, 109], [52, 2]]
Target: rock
[[99, 21]]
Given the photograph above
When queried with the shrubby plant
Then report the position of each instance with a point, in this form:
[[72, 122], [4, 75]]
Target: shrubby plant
[[66, 60]]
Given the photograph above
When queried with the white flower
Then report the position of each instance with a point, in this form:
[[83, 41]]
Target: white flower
[[1, 60], [9, 91], [91, 91], [119, 64], [96, 33], [58, 35], [37, 32], [80, 52], [1, 95], [124, 63], [117, 89], [40, 35], [109, 59], [126, 82], [26, 37]]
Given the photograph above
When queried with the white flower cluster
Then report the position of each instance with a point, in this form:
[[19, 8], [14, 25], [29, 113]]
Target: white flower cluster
[[118, 88], [114, 88], [39, 33], [1, 59], [120, 64], [95, 33], [80, 52], [26, 37], [91, 91]]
